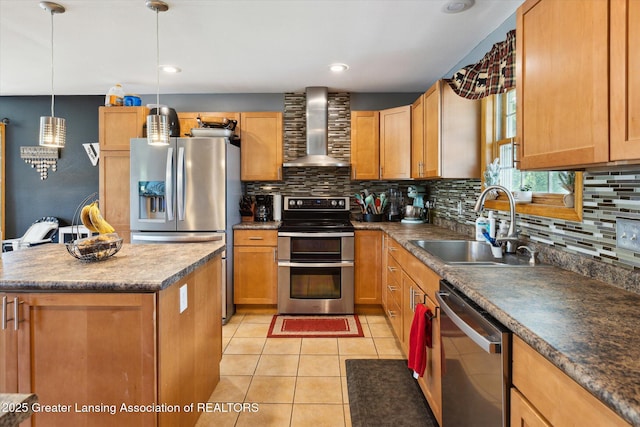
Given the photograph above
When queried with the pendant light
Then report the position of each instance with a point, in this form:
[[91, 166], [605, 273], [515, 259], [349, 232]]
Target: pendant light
[[53, 129], [157, 124]]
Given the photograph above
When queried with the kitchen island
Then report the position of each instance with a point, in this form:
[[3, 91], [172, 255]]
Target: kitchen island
[[131, 340]]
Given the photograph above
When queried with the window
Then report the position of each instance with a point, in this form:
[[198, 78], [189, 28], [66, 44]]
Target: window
[[499, 138]]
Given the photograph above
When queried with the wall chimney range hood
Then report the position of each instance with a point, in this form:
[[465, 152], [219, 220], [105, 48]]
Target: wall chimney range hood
[[317, 133]]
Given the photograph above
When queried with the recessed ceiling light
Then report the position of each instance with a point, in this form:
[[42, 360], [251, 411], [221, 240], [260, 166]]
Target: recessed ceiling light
[[457, 6], [172, 69], [338, 68]]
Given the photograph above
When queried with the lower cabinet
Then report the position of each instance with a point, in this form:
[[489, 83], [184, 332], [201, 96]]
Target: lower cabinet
[[367, 274], [409, 282], [255, 272], [100, 357], [543, 395]]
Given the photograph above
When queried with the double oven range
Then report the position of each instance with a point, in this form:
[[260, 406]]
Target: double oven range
[[315, 256]]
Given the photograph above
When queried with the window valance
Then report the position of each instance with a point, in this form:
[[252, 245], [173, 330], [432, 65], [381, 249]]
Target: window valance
[[495, 73]]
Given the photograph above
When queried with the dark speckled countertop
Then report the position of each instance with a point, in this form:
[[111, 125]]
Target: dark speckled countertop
[[135, 268], [585, 327]]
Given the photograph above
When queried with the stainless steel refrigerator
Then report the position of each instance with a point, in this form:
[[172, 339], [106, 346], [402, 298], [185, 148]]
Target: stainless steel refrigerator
[[187, 191]]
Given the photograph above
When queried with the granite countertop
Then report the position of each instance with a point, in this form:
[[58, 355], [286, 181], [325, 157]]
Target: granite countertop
[[257, 225], [585, 327], [135, 268], [15, 408]]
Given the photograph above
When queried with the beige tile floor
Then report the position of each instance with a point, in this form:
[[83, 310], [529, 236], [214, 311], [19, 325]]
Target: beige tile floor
[[289, 381]]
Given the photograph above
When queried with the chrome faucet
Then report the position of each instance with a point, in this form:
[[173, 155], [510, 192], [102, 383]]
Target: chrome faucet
[[512, 235]]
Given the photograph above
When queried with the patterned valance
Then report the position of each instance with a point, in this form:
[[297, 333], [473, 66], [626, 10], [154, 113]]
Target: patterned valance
[[495, 73]]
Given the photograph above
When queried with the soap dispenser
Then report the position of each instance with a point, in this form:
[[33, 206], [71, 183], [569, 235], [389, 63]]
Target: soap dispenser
[[482, 224]]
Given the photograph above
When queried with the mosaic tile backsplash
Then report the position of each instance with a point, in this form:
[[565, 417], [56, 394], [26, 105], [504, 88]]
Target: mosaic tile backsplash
[[588, 247]]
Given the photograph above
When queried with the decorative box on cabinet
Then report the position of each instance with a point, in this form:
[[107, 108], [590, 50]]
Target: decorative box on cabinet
[[261, 154], [189, 120]]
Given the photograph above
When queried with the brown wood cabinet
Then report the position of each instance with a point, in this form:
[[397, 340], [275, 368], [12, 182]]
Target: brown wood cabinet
[[365, 145], [367, 273], [261, 154], [625, 80], [117, 125], [395, 143], [418, 285], [76, 349], [417, 139], [255, 272], [451, 129], [562, 84], [551, 397], [189, 120]]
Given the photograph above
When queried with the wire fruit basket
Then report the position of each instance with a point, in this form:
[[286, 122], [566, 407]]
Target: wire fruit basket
[[92, 248]]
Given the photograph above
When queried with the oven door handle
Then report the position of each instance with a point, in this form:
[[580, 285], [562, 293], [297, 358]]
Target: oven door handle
[[315, 264], [299, 234]]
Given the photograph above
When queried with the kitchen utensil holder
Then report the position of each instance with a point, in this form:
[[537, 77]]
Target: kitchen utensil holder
[[372, 217]]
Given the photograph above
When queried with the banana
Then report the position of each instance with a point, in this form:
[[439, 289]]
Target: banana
[[86, 219], [99, 223]]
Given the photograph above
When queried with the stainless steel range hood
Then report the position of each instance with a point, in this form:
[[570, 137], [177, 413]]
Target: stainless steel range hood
[[317, 133]]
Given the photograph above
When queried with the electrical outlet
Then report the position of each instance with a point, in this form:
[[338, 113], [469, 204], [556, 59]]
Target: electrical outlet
[[183, 298], [628, 234]]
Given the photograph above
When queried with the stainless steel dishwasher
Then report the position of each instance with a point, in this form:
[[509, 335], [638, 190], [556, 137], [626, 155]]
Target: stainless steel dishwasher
[[476, 372]]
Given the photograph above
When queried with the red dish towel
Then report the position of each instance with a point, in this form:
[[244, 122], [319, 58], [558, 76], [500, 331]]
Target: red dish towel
[[420, 339]]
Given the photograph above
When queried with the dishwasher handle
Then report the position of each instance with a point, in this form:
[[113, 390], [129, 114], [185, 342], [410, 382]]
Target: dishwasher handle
[[487, 345]]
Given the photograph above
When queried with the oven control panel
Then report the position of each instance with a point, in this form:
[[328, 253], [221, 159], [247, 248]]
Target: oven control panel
[[316, 203]]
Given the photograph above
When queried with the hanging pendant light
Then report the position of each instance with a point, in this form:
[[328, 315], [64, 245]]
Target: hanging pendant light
[[53, 130], [157, 124]]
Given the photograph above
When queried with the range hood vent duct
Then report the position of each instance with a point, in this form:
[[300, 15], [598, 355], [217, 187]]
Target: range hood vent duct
[[317, 132]]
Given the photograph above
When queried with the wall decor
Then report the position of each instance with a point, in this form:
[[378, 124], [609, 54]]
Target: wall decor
[[41, 159]]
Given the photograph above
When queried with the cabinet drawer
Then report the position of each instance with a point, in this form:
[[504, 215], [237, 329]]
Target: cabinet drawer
[[393, 283], [394, 313], [255, 238]]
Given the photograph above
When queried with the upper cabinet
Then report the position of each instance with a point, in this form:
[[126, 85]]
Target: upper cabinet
[[117, 125], [189, 120], [451, 141], [365, 145], [578, 95], [261, 154], [625, 80], [417, 138], [395, 143]]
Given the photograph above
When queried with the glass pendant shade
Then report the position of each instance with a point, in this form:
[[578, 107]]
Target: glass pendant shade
[[158, 130], [53, 131]]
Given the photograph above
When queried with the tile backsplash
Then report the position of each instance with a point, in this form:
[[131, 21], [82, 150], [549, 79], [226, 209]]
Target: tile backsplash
[[588, 247]]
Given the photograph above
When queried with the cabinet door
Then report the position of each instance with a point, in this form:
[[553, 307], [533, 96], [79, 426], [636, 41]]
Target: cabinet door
[[523, 414], [411, 295], [625, 80], [114, 191], [9, 345], [432, 132], [417, 138], [395, 143], [368, 258], [255, 275], [431, 382], [87, 349], [261, 154], [117, 125], [365, 145], [562, 95]]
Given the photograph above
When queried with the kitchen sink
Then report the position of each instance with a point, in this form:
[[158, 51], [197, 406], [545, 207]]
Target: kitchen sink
[[469, 253]]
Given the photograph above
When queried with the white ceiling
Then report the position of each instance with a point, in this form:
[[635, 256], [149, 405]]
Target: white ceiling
[[238, 46]]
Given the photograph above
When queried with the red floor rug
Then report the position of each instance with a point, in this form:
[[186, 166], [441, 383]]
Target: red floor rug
[[321, 326]]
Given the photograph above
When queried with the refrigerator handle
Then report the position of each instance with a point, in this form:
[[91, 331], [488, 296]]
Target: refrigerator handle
[[180, 190], [169, 184]]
